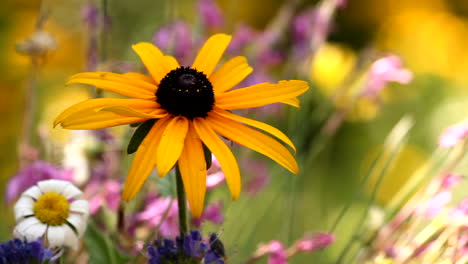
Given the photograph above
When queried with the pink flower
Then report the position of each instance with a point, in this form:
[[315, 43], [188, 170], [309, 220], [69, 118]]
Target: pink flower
[[437, 203], [100, 194], [211, 14], [450, 180], [212, 213], [385, 70], [275, 250], [260, 176], [215, 175], [176, 36], [453, 135], [161, 209], [315, 242]]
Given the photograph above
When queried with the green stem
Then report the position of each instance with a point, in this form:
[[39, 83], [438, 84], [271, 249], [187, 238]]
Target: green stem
[[181, 200]]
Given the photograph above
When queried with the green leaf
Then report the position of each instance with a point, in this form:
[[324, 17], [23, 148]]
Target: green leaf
[[139, 135], [101, 248], [207, 153]]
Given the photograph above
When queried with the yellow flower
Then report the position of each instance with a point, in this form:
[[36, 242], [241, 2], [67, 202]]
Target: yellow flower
[[192, 107]]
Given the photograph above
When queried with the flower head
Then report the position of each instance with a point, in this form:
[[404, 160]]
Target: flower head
[[21, 251], [453, 135], [211, 14], [192, 106], [187, 249], [385, 70], [51, 210]]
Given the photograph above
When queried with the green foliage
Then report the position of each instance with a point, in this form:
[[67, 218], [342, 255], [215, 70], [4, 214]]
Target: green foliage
[[139, 135], [101, 248]]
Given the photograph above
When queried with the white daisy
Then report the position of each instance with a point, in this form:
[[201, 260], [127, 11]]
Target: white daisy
[[51, 210]]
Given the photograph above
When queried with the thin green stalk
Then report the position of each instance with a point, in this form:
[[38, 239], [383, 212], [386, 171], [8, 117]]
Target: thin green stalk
[[371, 200], [181, 201]]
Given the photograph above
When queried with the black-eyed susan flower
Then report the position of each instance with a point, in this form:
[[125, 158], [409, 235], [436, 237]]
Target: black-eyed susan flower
[[51, 210], [192, 107]]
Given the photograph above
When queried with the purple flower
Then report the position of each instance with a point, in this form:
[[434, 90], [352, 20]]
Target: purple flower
[[385, 70], [212, 213], [212, 17], [243, 35], [453, 135], [30, 175], [19, 251], [315, 242], [187, 249], [176, 37]]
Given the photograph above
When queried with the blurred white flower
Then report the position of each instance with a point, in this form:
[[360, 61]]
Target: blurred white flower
[[51, 210]]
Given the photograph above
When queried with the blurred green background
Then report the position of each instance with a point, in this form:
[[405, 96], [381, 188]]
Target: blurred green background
[[430, 35]]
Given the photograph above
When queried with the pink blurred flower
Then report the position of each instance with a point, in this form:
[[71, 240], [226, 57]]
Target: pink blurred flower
[[315, 242], [437, 203], [215, 174], [276, 251], [385, 70], [100, 194], [157, 210], [212, 17], [450, 180], [453, 135], [212, 213], [33, 173], [260, 178], [177, 37], [242, 36]]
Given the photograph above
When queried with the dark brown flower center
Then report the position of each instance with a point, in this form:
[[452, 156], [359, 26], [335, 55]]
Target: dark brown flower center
[[186, 91]]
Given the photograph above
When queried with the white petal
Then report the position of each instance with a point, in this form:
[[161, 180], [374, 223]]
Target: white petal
[[21, 227], [33, 192], [56, 236], [71, 191], [71, 239], [21, 212], [25, 202], [53, 185], [78, 221], [35, 231], [80, 206]]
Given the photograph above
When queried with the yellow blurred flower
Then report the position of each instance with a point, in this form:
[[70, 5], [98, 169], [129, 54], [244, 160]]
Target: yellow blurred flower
[[332, 65], [430, 41]]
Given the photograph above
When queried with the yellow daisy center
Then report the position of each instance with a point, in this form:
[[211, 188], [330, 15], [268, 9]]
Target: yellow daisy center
[[52, 209], [187, 92]]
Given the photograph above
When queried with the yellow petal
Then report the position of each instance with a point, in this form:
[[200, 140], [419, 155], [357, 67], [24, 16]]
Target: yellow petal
[[230, 74], [127, 111], [157, 64], [261, 94], [116, 83], [291, 101], [192, 166], [265, 127], [86, 115], [253, 139], [171, 145], [222, 153], [145, 159], [211, 52], [140, 76]]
